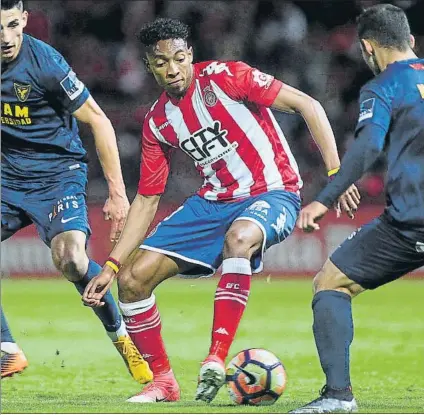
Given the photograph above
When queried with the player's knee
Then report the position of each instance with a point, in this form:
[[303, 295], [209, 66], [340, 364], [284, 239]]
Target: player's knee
[[133, 285], [241, 242], [331, 278], [71, 260]]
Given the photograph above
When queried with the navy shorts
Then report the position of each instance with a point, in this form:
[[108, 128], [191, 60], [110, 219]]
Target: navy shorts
[[379, 252], [54, 207], [195, 232]]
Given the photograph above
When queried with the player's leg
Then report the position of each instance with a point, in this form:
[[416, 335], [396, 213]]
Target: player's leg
[[13, 359], [13, 218], [136, 283], [60, 214], [375, 255], [188, 242], [264, 221]]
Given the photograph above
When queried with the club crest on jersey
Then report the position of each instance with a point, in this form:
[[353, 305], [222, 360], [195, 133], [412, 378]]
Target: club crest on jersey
[[208, 145], [209, 97], [22, 91]]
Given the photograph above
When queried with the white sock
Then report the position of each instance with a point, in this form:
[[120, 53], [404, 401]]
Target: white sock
[[122, 331], [9, 347]]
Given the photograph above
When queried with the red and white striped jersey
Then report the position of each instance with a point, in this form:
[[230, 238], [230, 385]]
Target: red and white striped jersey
[[224, 124]]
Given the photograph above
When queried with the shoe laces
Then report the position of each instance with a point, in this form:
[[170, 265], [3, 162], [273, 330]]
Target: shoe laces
[[132, 353]]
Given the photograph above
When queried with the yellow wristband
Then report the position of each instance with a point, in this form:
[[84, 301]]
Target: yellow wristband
[[113, 266], [333, 171]]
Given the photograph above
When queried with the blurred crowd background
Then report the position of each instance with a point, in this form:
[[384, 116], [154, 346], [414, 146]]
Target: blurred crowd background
[[311, 45]]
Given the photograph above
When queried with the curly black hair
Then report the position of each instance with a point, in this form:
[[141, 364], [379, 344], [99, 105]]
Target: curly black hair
[[163, 29]]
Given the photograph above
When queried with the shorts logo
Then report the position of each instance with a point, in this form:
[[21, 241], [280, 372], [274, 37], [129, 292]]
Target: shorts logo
[[280, 223], [262, 79], [72, 85], [419, 247], [352, 235], [22, 91], [260, 209], [208, 145], [366, 109], [68, 202], [209, 97]]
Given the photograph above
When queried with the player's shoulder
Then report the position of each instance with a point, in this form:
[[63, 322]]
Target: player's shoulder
[[156, 112], [217, 68], [41, 51]]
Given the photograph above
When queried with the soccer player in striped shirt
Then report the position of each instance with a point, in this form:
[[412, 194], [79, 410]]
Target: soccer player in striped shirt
[[219, 114]]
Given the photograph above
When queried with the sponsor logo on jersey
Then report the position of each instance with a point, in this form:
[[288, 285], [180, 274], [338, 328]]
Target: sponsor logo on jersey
[[22, 91], [208, 145], [72, 85], [68, 202], [366, 109], [209, 97], [14, 114], [262, 79]]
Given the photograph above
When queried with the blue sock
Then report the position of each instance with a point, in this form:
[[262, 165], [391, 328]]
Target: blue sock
[[6, 335], [108, 314], [333, 331]]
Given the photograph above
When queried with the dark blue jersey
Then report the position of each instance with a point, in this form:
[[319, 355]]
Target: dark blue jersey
[[391, 119], [39, 94]]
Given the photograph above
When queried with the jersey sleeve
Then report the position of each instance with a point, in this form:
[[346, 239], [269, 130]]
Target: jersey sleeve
[[63, 85], [155, 164], [241, 82], [374, 108]]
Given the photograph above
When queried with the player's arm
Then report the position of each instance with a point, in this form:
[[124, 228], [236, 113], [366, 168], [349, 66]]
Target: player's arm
[[292, 100], [154, 171], [117, 205], [370, 134], [66, 91]]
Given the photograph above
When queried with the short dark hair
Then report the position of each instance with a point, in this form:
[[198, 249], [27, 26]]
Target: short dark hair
[[10, 4], [163, 29], [386, 24]]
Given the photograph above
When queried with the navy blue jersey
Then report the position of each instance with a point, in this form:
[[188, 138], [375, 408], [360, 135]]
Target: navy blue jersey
[[394, 101], [391, 120], [39, 94]]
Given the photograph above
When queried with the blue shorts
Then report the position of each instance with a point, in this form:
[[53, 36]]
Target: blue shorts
[[379, 252], [195, 232], [54, 207]]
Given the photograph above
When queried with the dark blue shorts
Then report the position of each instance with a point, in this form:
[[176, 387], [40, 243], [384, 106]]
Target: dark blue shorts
[[195, 232], [379, 252], [54, 207]]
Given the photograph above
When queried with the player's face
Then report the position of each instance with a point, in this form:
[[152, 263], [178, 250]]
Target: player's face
[[368, 54], [13, 22], [170, 63]]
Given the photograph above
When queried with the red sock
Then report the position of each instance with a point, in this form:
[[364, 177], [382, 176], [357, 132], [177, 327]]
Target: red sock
[[144, 327], [230, 301]]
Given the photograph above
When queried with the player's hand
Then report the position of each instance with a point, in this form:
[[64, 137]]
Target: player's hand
[[97, 287], [309, 215], [116, 209], [349, 201]]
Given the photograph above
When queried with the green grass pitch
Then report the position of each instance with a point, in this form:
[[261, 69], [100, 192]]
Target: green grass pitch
[[74, 368]]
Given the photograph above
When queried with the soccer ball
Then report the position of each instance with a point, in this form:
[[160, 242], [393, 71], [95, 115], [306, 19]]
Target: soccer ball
[[255, 377]]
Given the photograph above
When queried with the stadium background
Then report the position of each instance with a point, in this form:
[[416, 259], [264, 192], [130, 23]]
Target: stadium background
[[310, 45]]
